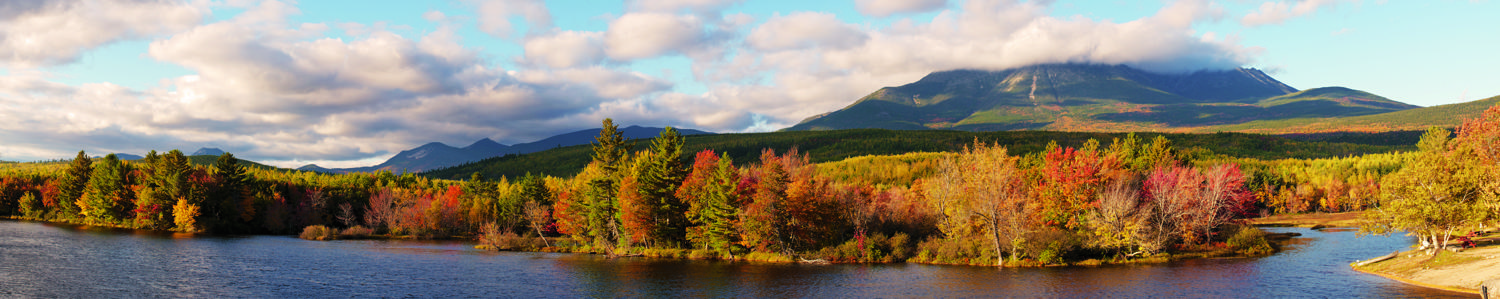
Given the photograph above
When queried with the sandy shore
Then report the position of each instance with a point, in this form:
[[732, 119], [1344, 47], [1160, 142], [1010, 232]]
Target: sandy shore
[[1460, 271]]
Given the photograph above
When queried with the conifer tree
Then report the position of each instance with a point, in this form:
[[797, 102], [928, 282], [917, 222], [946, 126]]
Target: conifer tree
[[103, 202], [73, 184]]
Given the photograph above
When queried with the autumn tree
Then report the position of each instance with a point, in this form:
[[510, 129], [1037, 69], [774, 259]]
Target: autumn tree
[[1435, 196], [1479, 140], [1114, 224], [994, 198], [764, 217]]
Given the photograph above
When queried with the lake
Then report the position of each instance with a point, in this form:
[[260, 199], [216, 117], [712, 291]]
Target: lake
[[53, 260]]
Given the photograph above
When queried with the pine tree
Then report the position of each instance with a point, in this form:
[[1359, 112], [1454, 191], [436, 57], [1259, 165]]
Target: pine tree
[[659, 175], [103, 202], [73, 184], [719, 210], [222, 208]]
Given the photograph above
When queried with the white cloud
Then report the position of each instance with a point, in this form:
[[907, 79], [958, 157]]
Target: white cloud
[[803, 30], [885, 8], [1279, 11], [674, 6], [646, 35], [495, 15], [564, 49], [48, 33], [271, 90]]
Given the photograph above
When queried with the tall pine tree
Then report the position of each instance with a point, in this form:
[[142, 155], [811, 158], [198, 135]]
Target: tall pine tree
[[105, 200], [73, 184]]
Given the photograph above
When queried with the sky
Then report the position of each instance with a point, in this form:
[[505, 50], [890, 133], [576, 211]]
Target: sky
[[350, 83]]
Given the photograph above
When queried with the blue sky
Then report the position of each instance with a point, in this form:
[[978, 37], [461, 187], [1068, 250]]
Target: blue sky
[[349, 83]]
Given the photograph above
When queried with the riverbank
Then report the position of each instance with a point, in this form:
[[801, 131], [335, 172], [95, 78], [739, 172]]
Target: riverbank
[[1312, 220], [1461, 271]]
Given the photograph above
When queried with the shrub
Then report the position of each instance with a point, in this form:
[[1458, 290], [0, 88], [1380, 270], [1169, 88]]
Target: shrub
[[1052, 245], [876, 249], [493, 238], [356, 232], [1250, 241], [962, 251], [319, 233]]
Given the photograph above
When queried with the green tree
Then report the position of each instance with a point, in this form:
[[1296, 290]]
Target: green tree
[[719, 210], [659, 175], [221, 209], [73, 184], [610, 152], [105, 200]]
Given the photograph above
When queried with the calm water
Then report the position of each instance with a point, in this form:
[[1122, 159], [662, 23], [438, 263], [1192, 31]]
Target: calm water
[[46, 260]]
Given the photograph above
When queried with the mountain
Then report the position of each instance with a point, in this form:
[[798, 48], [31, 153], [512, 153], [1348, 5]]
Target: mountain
[[1082, 97], [1416, 119], [207, 151], [587, 136], [437, 155]]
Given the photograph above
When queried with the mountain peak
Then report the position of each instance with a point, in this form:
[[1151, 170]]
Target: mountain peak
[[1083, 97], [208, 151]]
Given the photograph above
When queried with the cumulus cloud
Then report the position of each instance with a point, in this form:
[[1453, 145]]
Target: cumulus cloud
[[648, 34], [803, 30], [495, 16], [276, 91], [674, 6], [885, 8], [1279, 11], [48, 33], [565, 49]]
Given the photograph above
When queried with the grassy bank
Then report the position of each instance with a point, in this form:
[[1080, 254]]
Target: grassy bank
[[1313, 220]]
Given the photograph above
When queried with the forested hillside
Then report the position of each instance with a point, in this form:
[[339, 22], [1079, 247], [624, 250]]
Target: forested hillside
[[826, 146]]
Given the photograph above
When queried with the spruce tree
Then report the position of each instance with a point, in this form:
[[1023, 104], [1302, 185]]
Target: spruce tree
[[73, 183], [222, 208], [719, 212], [103, 201], [660, 175]]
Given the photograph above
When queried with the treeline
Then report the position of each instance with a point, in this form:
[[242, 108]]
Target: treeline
[[830, 146], [1129, 198]]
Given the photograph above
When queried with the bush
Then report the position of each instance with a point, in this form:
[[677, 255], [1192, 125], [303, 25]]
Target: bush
[[876, 249], [319, 233], [356, 232], [961, 251], [1249, 241], [493, 238], [1051, 245]]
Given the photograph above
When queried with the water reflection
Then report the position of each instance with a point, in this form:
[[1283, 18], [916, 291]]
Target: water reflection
[[45, 260]]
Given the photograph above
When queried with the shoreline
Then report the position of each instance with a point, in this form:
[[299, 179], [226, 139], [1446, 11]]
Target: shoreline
[[1415, 283], [1461, 271]]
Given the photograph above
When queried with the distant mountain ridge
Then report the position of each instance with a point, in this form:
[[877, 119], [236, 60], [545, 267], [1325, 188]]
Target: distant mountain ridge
[[436, 155], [1085, 97], [207, 151]]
